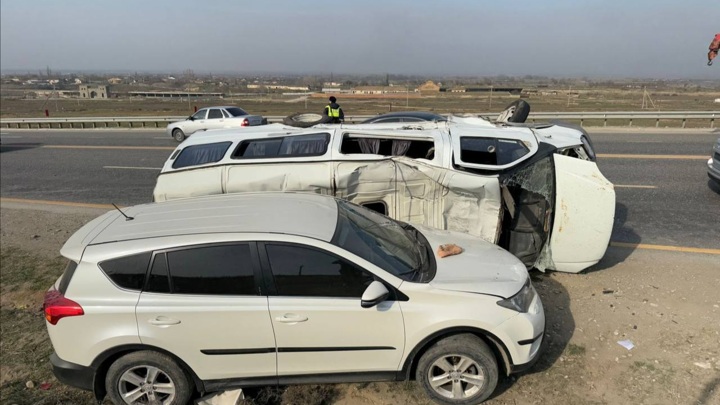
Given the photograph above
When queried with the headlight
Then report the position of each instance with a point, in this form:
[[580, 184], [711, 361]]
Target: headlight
[[521, 301], [587, 145]]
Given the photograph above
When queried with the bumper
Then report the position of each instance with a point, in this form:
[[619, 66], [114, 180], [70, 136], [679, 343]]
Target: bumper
[[521, 368], [72, 374], [713, 170]]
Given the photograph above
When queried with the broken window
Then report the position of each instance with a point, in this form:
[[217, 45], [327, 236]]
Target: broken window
[[416, 149], [491, 151]]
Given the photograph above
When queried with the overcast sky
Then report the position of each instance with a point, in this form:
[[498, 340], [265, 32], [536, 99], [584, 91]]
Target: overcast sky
[[594, 38]]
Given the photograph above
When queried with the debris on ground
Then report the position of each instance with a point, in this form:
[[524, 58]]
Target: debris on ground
[[626, 344], [449, 249]]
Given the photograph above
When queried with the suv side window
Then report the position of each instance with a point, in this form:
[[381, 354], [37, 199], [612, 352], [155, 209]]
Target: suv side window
[[211, 270], [306, 272], [214, 113], [201, 154], [129, 271]]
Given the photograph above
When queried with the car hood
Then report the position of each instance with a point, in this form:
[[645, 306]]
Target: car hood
[[481, 268]]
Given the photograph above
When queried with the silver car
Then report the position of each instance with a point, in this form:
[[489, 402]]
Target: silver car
[[714, 163], [213, 118]]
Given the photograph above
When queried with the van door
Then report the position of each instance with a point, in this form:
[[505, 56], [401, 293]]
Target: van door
[[283, 163], [584, 214]]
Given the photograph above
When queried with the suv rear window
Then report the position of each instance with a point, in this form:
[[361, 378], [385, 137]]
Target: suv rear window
[[201, 154], [67, 275], [129, 271], [289, 146]]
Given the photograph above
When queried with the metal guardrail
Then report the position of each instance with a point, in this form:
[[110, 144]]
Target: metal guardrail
[[157, 122]]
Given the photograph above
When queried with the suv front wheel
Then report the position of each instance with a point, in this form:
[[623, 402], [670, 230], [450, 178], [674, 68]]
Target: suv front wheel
[[458, 370], [147, 377]]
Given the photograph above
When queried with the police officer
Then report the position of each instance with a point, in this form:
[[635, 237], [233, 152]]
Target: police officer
[[334, 112]]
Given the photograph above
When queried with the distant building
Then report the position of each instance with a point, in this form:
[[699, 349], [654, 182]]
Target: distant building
[[115, 80], [93, 91], [429, 86], [379, 90]]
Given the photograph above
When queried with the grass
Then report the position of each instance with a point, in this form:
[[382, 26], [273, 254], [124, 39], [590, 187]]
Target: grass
[[24, 344], [575, 350], [279, 105]]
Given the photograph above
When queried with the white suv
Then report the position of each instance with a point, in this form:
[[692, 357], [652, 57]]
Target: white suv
[[167, 300]]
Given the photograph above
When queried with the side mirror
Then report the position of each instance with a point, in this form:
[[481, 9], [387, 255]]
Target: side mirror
[[374, 294]]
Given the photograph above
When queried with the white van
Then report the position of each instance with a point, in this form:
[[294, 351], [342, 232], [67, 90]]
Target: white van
[[533, 190]]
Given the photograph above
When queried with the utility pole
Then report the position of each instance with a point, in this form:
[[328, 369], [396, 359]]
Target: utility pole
[[491, 94]]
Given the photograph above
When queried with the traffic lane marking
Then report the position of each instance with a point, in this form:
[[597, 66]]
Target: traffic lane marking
[[132, 168], [666, 248], [107, 147], [631, 156], [684, 249], [53, 202], [631, 186]]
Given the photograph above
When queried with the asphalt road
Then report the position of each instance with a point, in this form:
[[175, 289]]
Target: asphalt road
[[663, 194]]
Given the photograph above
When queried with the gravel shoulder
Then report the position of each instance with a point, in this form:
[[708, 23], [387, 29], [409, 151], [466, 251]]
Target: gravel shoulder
[[665, 303]]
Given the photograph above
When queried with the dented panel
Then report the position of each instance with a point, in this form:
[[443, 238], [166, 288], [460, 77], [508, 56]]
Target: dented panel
[[423, 194]]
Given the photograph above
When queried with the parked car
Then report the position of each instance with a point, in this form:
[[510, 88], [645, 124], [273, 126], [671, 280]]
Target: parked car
[[533, 190], [213, 118], [199, 295], [714, 163], [405, 116]]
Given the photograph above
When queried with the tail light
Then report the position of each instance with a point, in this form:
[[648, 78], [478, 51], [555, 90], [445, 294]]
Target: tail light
[[245, 122], [56, 307]]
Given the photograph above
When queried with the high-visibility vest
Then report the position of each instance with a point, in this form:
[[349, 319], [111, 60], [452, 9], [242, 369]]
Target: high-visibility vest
[[333, 112]]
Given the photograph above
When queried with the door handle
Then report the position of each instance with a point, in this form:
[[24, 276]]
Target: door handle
[[291, 318], [163, 321]]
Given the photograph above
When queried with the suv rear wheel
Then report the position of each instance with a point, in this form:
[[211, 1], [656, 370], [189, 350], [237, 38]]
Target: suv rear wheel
[[458, 370], [147, 377]]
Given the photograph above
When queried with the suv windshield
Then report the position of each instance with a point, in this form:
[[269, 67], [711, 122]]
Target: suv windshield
[[381, 241], [236, 112]]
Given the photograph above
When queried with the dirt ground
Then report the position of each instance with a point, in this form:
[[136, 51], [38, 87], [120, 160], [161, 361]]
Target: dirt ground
[[666, 303]]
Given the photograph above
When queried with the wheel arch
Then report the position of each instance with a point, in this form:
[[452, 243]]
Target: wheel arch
[[102, 363], [498, 348]]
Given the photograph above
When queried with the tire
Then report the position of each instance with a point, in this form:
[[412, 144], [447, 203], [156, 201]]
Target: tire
[[517, 112], [178, 135], [305, 120], [132, 371], [455, 351]]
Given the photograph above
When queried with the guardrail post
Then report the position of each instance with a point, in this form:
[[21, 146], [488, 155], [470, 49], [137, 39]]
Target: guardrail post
[[630, 124], [683, 124], [657, 123], [712, 121], [604, 120]]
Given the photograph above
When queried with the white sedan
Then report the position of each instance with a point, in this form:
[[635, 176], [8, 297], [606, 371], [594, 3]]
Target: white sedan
[[213, 118]]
